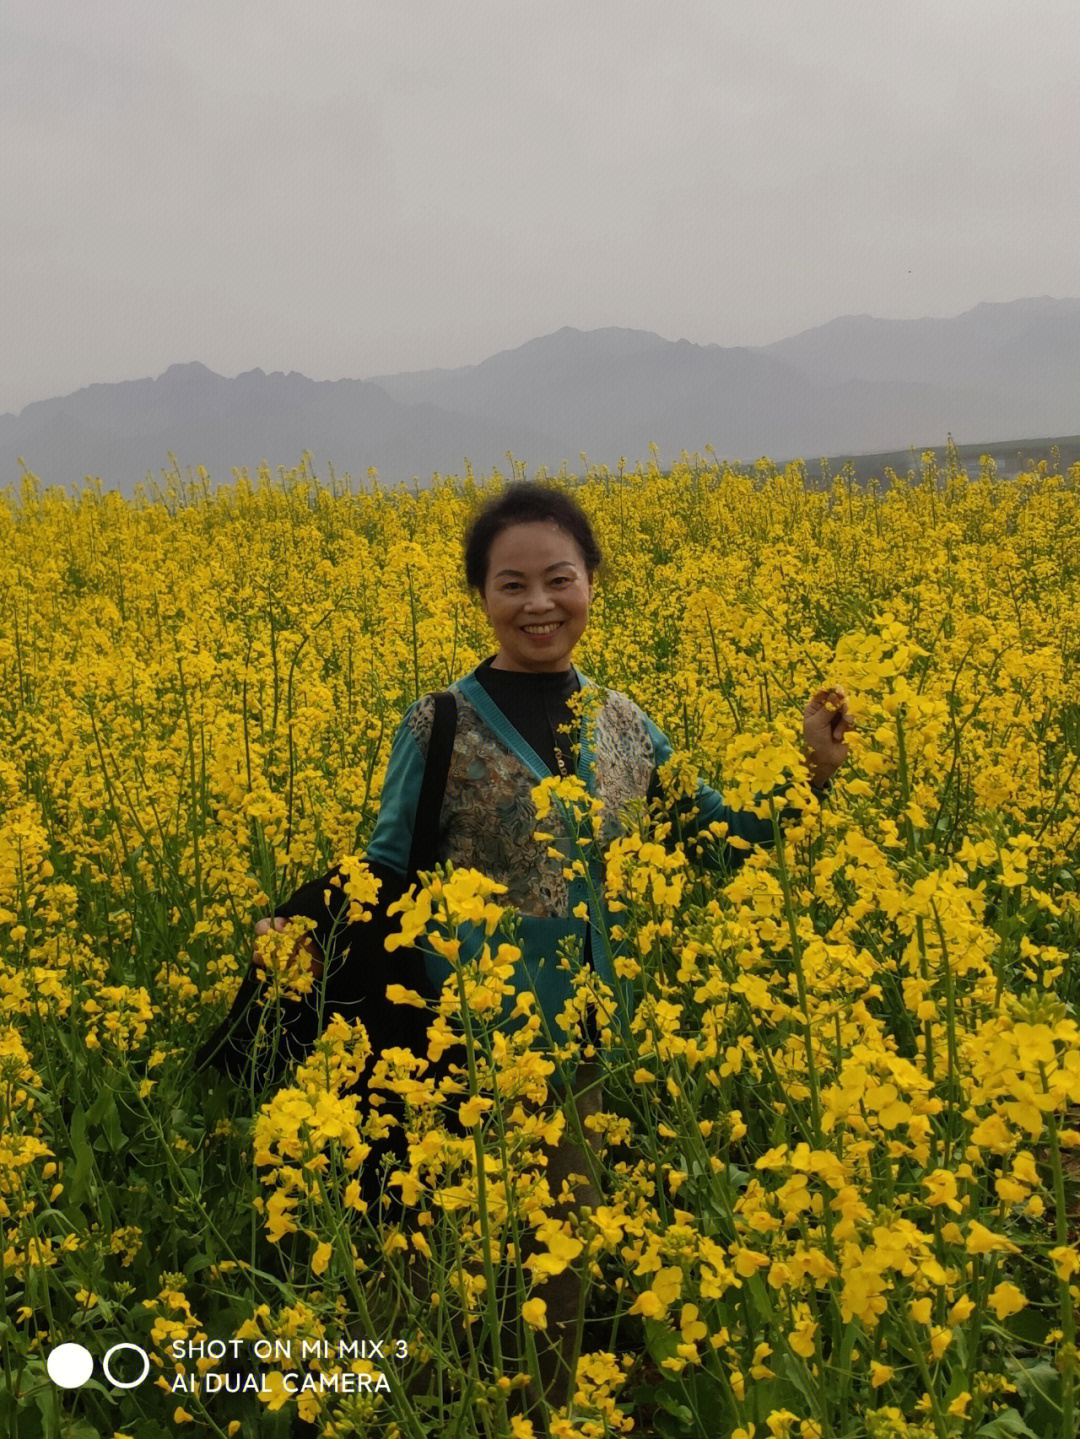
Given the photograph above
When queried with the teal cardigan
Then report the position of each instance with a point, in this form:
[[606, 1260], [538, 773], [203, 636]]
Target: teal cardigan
[[488, 820]]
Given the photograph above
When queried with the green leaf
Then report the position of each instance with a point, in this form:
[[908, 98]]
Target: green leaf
[[197, 1263], [790, 1369], [675, 1407], [1030, 1325], [852, 1334], [1006, 1425], [669, 1426], [1039, 1385], [77, 1187], [660, 1341], [103, 1113], [97, 1109], [771, 1394], [760, 1295]]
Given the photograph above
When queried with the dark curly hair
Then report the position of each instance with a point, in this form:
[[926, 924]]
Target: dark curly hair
[[521, 503]]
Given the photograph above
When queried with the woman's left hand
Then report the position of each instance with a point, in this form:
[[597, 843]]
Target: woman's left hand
[[825, 723]]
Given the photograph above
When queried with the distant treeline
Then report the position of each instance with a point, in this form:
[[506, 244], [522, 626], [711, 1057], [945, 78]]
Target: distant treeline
[[1011, 457]]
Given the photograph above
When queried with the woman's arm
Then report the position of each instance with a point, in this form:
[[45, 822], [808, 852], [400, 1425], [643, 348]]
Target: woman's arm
[[391, 839], [691, 816]]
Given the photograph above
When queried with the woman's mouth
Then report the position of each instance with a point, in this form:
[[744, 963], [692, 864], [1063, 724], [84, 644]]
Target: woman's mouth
[[547, 629]]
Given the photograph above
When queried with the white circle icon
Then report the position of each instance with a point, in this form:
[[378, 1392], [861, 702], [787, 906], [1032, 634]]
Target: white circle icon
[[69, 1366], [130, 1383]]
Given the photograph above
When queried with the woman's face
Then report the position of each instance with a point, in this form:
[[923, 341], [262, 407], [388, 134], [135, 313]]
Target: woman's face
[[536, 596]]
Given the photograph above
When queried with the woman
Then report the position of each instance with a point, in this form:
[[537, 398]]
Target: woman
[[532, 557]]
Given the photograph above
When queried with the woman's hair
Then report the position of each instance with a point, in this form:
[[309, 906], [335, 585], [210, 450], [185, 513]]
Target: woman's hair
[[521, 503]]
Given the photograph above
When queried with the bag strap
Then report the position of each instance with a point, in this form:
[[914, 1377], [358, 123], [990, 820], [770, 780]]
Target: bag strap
[[423, 853]]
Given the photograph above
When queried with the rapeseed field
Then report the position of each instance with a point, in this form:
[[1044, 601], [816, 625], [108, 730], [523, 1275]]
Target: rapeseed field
[[838, 1143]]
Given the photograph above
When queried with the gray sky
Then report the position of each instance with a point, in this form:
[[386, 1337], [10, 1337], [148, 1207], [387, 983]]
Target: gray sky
[[349, 189]]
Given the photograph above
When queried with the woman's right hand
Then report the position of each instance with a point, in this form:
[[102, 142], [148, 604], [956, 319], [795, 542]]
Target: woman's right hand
[[265, 925]]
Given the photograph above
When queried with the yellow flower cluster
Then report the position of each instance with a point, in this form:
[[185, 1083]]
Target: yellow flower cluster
[[304, 1124]]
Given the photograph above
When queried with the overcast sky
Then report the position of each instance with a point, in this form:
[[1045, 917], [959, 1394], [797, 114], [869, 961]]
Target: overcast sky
[[351, 189]]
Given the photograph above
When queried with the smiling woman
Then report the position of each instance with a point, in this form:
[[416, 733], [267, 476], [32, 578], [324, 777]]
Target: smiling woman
[[531, 555]]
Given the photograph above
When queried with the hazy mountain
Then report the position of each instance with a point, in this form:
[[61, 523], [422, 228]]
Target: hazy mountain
[[1024, 357], [855, 385], [125, 432]]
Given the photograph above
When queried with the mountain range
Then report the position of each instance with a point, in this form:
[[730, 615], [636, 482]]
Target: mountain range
[[853, 386]]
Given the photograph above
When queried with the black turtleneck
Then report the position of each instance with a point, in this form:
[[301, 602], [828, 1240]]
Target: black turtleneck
[[536, 705]]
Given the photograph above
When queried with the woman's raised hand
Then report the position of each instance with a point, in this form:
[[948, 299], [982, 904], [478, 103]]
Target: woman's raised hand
[[264, 926], [825, 723]]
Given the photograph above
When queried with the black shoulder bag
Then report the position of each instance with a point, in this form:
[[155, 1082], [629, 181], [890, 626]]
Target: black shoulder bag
[[356, 966]]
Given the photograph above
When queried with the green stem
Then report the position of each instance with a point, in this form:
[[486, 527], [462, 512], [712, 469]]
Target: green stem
[[343, 1244], [1065, 1303], [515, 1233], [800, 977], [916, 1354], [953, 1094], [194, 827], [481, 1195], [905, 784]]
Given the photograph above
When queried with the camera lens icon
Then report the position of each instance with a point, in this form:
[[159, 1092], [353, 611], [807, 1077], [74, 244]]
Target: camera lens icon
[[125, 1383], [69, 1366]]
